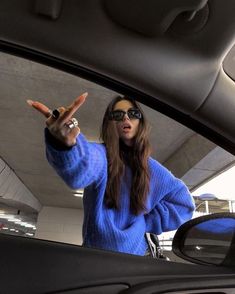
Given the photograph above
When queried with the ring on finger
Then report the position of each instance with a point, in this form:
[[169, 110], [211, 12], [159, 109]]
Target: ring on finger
[[55, 113], [72, 123]]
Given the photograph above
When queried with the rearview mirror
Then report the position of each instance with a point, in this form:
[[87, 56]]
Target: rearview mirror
[[207, 240]]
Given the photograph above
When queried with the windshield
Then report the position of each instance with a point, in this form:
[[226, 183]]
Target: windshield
[[34, 200]]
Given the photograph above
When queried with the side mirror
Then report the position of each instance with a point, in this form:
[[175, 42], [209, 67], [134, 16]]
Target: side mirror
[[208, 240]]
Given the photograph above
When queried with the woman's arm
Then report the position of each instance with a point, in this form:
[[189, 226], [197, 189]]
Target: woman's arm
[[80, 165], [77, 161], [172, 203]]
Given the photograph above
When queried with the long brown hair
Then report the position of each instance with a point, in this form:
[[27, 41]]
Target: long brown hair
[[116, 164]]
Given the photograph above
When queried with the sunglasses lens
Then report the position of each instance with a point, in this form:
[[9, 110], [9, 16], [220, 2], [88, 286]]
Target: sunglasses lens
[[134, 113], [118, 115]]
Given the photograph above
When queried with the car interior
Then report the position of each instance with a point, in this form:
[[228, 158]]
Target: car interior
[[176, 58]]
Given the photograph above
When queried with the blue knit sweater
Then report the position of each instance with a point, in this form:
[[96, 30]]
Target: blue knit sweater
[[169, 202]]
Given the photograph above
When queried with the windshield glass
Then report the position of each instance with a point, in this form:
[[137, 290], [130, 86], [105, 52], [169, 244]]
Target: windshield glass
[[36, 202]]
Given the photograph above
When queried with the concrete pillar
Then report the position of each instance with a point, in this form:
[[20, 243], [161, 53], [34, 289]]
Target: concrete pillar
[[207, 207], [60, 224], [231, 206]]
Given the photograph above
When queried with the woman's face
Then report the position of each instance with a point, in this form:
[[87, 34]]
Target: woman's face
[[127, 128]]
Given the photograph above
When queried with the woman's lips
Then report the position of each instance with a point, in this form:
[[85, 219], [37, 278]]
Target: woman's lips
[[126, 125], [126, 128]]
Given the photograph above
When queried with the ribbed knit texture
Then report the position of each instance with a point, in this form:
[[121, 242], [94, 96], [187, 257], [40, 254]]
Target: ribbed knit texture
[[169, 202]]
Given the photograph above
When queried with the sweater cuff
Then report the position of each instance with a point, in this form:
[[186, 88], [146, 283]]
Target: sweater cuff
[[55, 143]]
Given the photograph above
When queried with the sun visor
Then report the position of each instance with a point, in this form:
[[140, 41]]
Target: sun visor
[[152, 17], [48, 8]]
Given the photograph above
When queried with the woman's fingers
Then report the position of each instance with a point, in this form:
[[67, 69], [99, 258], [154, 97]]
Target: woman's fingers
[[40, 107], [71, 109], [71, 136], [66, 114], [62, 127], [50, 119]]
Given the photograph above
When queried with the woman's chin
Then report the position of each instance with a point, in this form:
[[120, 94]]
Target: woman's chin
[[128, 141]]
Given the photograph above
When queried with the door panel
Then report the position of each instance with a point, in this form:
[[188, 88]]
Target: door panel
[[38, 266]]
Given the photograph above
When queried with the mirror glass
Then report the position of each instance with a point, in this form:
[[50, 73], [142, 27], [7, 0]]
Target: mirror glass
[[210, 241]]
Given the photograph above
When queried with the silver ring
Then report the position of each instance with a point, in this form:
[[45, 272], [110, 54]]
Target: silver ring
[[73, 123]]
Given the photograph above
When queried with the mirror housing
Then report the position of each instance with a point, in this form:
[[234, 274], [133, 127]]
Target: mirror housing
[[208, 240]]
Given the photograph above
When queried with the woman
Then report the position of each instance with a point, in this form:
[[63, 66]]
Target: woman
[[127, 193]]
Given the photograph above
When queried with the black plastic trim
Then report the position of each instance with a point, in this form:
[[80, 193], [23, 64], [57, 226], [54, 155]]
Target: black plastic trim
[[120, 88], [104, 289], [41, 266], [202, 285], [229, 64]]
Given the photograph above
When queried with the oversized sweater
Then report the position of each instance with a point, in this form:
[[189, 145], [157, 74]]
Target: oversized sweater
[[169, 203]]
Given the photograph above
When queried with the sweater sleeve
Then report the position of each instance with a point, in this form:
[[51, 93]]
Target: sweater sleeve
[[171, 202], [79, 166]]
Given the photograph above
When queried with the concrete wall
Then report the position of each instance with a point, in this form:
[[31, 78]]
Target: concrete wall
[[60, 224], [12, 189]]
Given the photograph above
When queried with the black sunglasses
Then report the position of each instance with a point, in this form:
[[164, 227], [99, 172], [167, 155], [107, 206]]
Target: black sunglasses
[[118, 115]]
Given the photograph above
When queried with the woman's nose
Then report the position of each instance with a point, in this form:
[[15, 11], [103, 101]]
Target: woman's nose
[[126, 117]]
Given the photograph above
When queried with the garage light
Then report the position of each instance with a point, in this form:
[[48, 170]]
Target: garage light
[[29, 234], [29, 226], [5, 216], [78, 193], [13, 219]]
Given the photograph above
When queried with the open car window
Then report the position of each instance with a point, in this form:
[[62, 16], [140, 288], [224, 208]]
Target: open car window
[[34, 201]]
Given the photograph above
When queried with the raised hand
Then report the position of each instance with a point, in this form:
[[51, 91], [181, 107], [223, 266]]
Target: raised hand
[[60, 122]]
